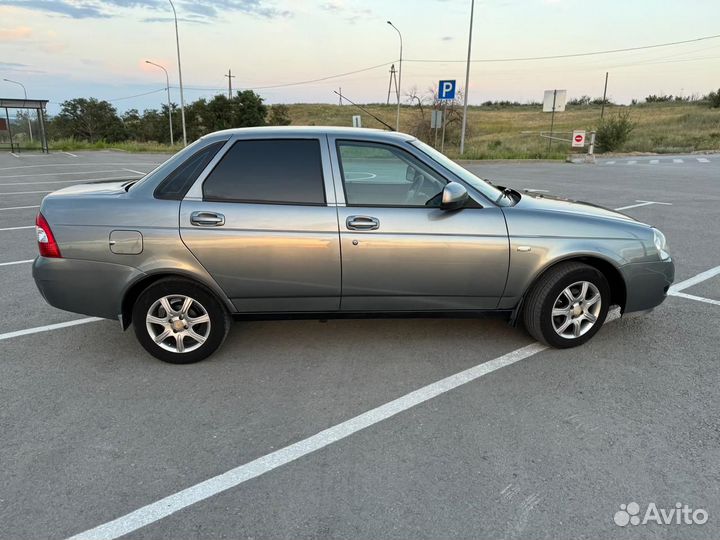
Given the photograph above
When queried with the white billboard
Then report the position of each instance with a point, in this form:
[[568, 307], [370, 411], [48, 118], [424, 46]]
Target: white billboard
[[556, 97]]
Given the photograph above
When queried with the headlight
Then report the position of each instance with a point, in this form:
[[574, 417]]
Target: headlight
[[661, 244]]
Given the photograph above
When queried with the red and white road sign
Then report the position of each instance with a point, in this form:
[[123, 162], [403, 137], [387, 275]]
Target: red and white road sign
[[578, 138]]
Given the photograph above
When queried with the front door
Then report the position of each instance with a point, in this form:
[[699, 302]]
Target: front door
[[400, 251], [265, 227]]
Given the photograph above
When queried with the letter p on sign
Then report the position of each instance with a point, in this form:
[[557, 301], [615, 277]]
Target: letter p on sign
[[446, 90]]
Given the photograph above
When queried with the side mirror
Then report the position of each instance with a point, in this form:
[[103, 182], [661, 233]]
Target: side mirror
[[454, 196], [410, 173]]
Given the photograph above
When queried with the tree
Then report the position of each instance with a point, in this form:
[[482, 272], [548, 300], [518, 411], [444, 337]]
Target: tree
[[88, 119], [613, 132], [279, 116], [714, 99]]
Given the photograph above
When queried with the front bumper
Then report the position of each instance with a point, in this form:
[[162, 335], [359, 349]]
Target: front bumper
[[88, 287], [647, 284]]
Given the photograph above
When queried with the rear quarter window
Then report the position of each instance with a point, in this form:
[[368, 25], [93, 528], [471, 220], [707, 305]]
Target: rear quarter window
[[178, 182]]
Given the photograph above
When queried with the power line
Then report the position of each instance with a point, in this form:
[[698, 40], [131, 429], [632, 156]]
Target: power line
[[299, 83], [573, 55], [137, 95]]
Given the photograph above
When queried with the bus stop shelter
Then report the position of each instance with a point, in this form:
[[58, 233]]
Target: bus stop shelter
[[37, 105]]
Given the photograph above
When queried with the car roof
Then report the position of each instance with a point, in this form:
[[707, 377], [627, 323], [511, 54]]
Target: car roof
[[279, 131]]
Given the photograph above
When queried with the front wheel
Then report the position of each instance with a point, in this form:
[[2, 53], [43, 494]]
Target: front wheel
[[179, 321], [567, 305]]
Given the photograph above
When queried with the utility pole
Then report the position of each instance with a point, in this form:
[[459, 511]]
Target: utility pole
[[393, 78], [182, 95], [399, 79], [602, 109], [340, 96], [467, 80], [230, 77]]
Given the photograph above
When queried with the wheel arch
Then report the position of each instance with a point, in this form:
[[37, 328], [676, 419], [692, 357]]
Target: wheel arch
[[139, 285], [618, 287]]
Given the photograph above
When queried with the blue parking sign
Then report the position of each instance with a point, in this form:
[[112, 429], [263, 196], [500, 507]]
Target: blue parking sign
[[446, 90]]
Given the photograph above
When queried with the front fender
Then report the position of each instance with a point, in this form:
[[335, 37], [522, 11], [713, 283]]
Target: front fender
[[531, 256]]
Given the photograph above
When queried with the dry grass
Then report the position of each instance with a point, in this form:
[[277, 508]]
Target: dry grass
[[498, 132]]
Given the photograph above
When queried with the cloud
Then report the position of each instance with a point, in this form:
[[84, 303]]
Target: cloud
[[15, 34], [190, 10], [76, 10], [18, 67], [349, 13]]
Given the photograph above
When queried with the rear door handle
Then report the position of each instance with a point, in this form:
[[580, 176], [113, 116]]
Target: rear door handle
[[362, 223], [207, 219]]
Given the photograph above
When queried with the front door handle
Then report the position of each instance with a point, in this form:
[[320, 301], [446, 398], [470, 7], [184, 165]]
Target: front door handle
[[207, 219], [362, 223]]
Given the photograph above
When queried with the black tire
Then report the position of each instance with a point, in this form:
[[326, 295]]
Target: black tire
[[539, 303], [204, 301]]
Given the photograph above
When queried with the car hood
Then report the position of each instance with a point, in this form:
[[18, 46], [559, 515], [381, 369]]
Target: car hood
[[551, 203]]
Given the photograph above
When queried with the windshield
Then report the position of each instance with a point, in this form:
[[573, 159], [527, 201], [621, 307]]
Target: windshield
[[491, 192]]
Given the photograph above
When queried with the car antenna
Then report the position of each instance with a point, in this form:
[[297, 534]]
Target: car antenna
[[364, 110]]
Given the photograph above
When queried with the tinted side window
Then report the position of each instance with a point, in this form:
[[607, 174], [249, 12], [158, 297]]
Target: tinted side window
[[280, 171], [176, 185]]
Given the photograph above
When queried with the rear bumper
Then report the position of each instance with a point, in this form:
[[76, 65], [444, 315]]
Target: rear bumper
[[647, 284], [87, 287]]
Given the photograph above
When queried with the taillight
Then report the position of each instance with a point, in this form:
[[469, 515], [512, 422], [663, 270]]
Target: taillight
[[46, 241]]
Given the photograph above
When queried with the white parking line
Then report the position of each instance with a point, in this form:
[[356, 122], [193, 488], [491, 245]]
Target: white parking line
[[75, 180], [61, 174], [19, 207], [14, 154], [11, 263], [703, 160], [234, 477], [18, 228], [68, 154], [71, 165], [702, 276], [707, 274], [654, 161], [696, 298], [47, 328], [136, 172], [632, 162], [642, 203], [23, 192], [677, 160]]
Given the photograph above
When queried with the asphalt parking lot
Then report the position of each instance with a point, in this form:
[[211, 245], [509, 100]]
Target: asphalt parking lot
[[359, 429]]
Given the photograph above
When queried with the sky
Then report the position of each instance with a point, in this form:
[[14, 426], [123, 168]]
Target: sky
[[61, 49]]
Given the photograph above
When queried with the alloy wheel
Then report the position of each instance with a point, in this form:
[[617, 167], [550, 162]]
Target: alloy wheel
[[576, 309], [178, 323]]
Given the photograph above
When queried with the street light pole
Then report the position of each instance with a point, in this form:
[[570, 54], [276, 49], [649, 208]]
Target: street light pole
[[467, 80], [167, 87], [28, 116], [397, 120], [182, 96]]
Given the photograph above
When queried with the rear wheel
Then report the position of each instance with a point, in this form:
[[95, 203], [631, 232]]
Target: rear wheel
[[567, 305], [179, 321]]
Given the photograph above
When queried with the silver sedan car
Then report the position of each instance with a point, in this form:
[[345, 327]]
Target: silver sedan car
[[324, 222]]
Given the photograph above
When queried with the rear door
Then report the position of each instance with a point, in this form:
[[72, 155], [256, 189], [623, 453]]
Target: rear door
[[262, 221]]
